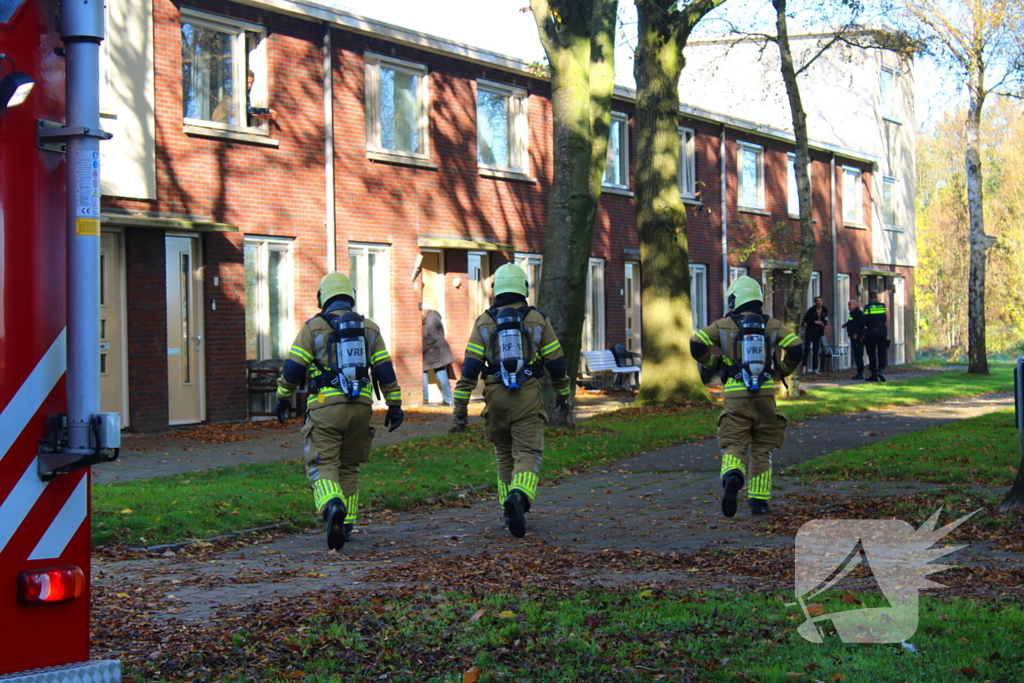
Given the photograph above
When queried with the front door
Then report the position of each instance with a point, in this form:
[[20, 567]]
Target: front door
[[632, 296], [112, 390], [432, 298], [184, 332]]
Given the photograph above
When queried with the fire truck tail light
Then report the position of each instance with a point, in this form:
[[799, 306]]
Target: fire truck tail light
[[53, 584]]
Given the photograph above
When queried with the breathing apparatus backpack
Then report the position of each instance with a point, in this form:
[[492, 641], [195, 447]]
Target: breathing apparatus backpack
[[511, 348], [347, 367], [752, 352]]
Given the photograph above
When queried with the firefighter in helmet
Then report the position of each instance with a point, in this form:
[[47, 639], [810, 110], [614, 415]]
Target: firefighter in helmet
[[341, 355], [742, 345], [511, 346]]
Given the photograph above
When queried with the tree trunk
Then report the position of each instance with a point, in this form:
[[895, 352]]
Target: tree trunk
[[578, 38], [977, 356], [670, 373]]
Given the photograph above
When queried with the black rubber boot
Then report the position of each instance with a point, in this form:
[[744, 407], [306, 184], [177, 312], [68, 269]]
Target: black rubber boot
[[859, 375], [881, 377], [732, 483], [515, 506], [758, 506], [334, 514], [873, 377], [348, 531]]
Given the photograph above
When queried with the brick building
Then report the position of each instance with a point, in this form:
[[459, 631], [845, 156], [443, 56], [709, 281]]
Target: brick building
[[414, 164]]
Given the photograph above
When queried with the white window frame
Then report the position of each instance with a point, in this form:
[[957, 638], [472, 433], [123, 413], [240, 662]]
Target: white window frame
[[243, 60], [619, 172], [373, 65], [899, 312], [372, 285], [792, 192], [263, 247], [890, 215], [813, 287], [533, 266], [736, 272], [699, 295], [887, 95], [518, 130], [593, 326], [853, 206], [741, 188], [687, 163]]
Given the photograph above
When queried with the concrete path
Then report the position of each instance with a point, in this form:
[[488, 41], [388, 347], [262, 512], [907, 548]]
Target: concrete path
[[662, 501]]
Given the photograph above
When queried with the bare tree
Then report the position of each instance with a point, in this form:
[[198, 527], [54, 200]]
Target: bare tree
[[578, 38], [980, 41], [670, 373]]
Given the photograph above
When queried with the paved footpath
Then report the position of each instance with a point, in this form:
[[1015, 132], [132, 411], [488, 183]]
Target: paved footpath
[[661, 501]]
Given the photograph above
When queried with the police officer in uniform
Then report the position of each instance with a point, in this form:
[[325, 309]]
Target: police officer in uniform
[[876, 337], [511, 346], [341, 355], [855, 331], [743, 345]]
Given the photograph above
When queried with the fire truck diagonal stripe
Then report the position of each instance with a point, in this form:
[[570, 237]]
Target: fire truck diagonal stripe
[[22, 407], [64, 526], [33, 392]]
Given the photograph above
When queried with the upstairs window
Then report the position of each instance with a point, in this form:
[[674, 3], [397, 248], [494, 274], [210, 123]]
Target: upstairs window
[[616, 170], [853, 195], [687, 164], [501, 126], [887, 92], [751, 176], [889, 219], [223, 72], [396, 106]]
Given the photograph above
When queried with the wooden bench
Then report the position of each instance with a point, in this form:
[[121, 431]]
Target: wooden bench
[[602, 365]]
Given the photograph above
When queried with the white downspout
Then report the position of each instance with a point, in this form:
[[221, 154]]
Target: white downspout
[[725, 222], [329, 197]]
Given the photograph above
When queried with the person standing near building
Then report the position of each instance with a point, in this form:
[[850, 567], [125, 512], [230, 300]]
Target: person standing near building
[[742, 346], [855, 331], [341, 355], [876, 337], [437, 355], [814, 324], [511, 346]]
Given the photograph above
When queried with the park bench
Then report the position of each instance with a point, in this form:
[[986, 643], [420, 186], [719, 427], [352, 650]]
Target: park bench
[[261, 382], [603, 365]]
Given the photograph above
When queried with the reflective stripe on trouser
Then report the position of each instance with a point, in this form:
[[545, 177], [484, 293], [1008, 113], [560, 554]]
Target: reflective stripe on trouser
[[751, 425], [515, 425], [730, 463], [337, 439], [352, 508]]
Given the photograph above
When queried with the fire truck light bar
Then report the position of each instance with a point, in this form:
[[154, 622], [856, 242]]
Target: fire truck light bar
[[50, 585]]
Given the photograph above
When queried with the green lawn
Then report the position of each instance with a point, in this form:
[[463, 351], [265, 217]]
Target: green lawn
[[204, 504], [628, 634], [982, 450]]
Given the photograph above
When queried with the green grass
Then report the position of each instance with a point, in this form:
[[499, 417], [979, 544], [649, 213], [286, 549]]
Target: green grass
[[629, 634], [981, 450], [205, 504]]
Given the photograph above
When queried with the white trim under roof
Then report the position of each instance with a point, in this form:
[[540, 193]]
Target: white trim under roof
[[423, 41]]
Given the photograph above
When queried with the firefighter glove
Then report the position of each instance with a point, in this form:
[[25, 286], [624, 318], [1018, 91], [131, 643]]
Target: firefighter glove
[[394, 418], [460, 416], [282, 409]]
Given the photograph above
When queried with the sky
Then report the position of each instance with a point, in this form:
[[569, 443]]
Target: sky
[[502, 26]]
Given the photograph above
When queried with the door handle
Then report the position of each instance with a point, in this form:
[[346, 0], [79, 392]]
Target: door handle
[[199, 339]]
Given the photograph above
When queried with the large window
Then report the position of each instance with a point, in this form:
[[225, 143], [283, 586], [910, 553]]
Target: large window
[[751, 176], [396, 106], [899, 312], [813, 288], [593, 326], [370, 273], [616, 170], [501, 130], [699, 295], [853, 196], [887, 92], [269, 325], [687, 164], [889, 219], [223, 71]]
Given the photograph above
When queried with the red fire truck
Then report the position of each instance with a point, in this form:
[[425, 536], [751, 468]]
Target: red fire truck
[[51, 430]]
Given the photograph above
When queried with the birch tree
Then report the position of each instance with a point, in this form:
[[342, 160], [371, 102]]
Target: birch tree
[[980, 42], [670, 373]]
